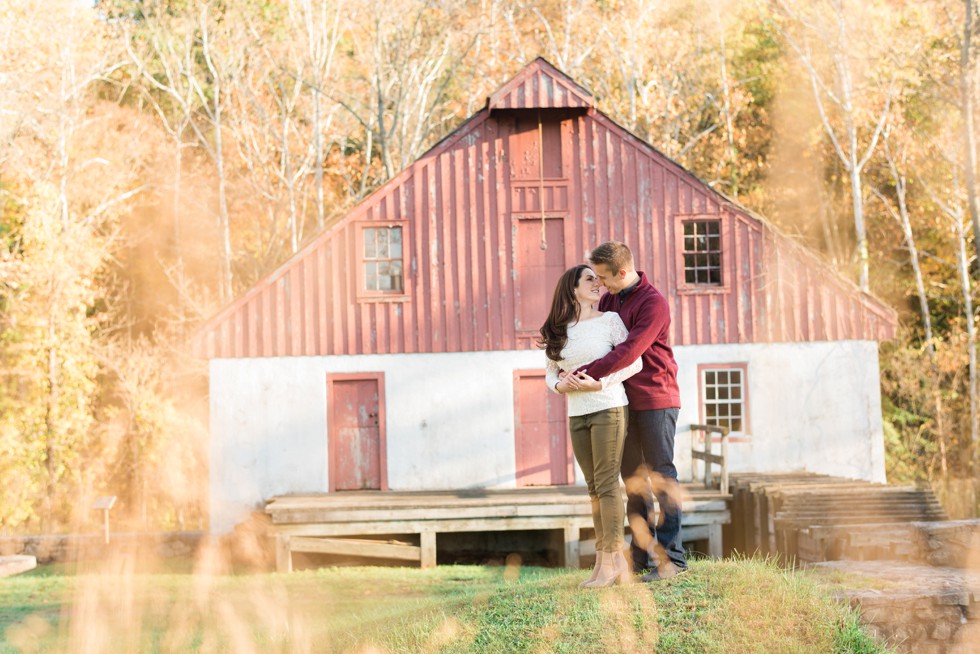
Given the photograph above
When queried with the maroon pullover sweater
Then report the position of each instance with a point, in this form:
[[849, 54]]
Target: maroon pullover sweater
[[647, 317]]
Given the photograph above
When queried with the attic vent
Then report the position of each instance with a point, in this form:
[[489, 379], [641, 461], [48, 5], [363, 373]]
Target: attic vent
[[541, 86]]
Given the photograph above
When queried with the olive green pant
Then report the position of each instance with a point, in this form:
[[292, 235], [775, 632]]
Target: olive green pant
[[597, 440]]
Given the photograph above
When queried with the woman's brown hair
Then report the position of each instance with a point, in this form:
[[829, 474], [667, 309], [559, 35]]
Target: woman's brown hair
[[564, 311]]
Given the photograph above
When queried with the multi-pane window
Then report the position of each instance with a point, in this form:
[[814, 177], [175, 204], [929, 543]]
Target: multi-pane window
[[702, 252], [723, 397], [383, 260]]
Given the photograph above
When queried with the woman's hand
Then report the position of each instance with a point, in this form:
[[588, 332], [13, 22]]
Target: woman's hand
[[579, 381]]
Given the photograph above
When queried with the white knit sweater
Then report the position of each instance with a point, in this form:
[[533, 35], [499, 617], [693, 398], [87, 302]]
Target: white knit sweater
[[587, 341]]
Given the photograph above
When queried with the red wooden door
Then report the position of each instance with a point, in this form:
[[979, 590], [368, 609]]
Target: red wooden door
[[356, 433], [542, 447], [539, 203], [534, 147], [537, 269]]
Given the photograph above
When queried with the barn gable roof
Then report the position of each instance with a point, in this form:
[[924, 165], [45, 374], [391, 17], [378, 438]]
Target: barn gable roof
[[541, 86], [459, 202]]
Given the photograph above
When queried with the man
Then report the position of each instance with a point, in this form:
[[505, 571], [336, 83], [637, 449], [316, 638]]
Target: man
[[654, 402]]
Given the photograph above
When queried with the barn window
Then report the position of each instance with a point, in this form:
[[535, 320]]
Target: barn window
[[724, 400], [702, 252], [382, 268]]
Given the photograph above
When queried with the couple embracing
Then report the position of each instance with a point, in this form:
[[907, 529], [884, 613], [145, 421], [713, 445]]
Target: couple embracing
[[611, 355]]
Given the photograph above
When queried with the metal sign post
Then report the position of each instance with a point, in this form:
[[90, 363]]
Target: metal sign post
[[105, 503]]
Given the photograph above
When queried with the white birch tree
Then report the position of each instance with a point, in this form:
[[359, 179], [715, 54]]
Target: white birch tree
[[826, 45]]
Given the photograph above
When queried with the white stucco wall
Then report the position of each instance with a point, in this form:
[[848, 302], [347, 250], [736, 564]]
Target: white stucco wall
[[811, 406], [450, 418], [450, 424]]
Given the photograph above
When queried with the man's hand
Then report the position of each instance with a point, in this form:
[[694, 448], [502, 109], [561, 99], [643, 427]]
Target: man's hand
[[580, 381]]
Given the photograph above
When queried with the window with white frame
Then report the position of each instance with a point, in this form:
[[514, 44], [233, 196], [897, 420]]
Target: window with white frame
[[723, 397], [702, 252], [383, 260]]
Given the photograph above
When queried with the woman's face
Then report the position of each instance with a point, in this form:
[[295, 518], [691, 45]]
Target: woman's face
[[587, 289]]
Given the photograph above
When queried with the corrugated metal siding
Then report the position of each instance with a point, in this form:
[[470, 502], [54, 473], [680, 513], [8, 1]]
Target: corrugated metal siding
[[463, 202], [810, 302]]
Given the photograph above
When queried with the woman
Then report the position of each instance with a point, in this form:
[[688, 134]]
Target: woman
[[575, 334]]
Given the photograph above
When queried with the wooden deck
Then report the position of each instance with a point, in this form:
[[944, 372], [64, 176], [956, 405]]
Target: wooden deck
[[325, 523]]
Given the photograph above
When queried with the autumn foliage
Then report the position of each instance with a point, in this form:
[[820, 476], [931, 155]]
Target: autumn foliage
[[158, 157]]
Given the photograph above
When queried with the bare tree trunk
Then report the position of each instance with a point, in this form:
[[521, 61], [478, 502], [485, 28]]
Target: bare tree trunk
[[318, 161], [368, 156], [920, 286], [842, 95], [969, 136], [182, 85], [407, 70], [317, 118], [224, 223], [52, 428], [174, 84], [970, 166], [178, 244], [902, 215], [727, 107], [50, 419], [828, 228], [853, 165], [625, 60], [320, 51], [857, 203], [962, 265], [287, 171], [380, 102], [955, 213]]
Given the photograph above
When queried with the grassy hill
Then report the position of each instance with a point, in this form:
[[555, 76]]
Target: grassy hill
[[728, 606]]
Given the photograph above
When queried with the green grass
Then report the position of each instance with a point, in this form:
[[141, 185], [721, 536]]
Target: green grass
[[728, 606]]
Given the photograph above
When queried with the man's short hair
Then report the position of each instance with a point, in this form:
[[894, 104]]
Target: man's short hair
[[614, 255]]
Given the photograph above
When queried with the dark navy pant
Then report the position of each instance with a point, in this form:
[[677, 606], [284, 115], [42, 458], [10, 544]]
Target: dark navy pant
[[650, 442]]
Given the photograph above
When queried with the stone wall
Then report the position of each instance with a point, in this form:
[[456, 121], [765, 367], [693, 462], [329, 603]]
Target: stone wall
[[888, 551], [918, 609], [63, 548], [922, 625], [947, 543]]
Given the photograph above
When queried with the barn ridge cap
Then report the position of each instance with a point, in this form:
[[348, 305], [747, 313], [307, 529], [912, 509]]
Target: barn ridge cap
[[541, 85]]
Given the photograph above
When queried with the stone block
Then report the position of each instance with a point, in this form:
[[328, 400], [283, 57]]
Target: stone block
[[15, 564], [941, 631]]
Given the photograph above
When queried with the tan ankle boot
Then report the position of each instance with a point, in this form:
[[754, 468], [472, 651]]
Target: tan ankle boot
[[599, 557], [624, 574], [606, 573]]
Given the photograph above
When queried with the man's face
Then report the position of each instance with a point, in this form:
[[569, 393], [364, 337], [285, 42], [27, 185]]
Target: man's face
[[614, 283]]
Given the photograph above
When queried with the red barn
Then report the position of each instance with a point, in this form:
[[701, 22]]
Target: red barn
[[395, 351]]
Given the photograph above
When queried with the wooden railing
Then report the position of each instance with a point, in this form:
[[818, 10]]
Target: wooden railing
[[708, 457]]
